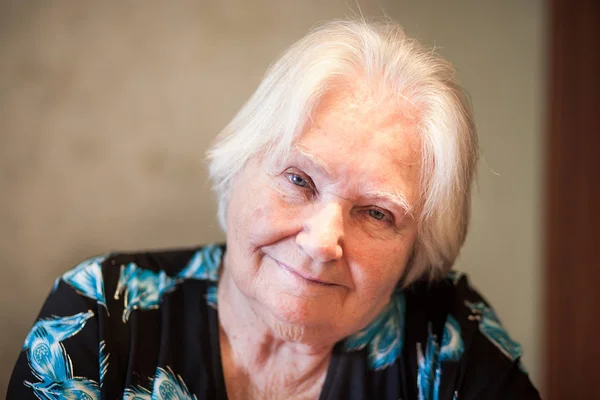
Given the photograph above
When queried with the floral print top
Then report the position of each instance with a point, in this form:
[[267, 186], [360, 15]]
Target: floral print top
[[145, 326]]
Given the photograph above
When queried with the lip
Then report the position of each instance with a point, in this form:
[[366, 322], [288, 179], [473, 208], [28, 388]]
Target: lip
[[304, 276]]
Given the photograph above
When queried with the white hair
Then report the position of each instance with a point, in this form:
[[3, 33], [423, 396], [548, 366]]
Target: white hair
[[383, 55]]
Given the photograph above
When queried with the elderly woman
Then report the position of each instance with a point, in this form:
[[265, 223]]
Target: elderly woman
[[343, 186]]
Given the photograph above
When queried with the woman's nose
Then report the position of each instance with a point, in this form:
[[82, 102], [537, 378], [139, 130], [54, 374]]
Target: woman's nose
[[321, 236]]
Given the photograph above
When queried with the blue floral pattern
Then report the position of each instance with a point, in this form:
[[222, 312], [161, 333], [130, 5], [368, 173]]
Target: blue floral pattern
[[212, 296], [165, 386], [204, 264], [453, 345], [384, 336], [490, 326], [429, 369], [137, 393], [430, 361], [50, 362], [103, 357], [144, 289], [86, 279]]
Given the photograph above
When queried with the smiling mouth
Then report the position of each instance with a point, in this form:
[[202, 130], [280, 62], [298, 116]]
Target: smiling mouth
[[308, 279]]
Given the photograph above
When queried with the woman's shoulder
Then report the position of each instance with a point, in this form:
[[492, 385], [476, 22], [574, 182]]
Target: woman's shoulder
[[105, 316], [471, 346], [142, 277], [462, 314], [200, 262]]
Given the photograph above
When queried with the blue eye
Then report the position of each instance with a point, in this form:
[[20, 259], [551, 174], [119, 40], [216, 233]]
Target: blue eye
[[298, 180], [378, 215]]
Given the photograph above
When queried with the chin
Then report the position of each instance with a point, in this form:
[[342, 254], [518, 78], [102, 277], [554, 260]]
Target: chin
[[298, 319], [314, 335]]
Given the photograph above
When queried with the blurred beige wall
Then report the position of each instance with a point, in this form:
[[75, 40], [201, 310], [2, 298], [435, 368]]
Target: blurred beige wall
[[106, 109]]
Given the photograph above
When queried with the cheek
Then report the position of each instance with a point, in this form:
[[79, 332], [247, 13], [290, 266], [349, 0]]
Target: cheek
[[376, 269], [264, 217]]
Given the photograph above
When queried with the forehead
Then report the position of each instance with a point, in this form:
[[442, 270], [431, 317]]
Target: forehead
[[356, 117], [372, 101], [366, 138], [360, 116]]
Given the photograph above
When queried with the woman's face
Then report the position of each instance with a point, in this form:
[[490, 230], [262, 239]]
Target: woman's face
[[318, 242]]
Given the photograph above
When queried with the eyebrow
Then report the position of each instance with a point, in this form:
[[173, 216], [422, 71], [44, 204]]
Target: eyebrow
[[316, 161], [391, 197], [395, 198]]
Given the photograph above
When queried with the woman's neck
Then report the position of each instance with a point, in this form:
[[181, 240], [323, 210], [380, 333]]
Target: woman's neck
[[257, 361]]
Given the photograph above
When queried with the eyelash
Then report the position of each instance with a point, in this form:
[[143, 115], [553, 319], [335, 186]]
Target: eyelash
[[387, 219]]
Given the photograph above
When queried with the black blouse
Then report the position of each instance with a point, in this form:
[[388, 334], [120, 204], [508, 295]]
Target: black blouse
[[145, 326]]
